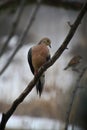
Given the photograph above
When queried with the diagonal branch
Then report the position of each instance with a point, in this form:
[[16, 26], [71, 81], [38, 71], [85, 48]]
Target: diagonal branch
[[27, 27], [30, 86], [14, 26]]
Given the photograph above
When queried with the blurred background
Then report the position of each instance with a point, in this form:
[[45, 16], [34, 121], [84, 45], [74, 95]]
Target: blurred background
[[23, 23]]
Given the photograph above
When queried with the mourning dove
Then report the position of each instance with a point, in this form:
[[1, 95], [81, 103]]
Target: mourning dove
[[37, 56], [73, 62]]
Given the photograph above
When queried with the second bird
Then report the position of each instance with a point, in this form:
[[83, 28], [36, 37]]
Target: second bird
[[73, 62], [37, 56]]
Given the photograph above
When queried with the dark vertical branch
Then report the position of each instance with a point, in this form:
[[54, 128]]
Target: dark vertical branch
[[27, 27], [14, 26], [72, 98]]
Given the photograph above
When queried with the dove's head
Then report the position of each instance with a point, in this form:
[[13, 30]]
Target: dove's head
[[46, 41]]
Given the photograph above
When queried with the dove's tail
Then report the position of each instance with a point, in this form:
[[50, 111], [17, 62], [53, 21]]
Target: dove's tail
[[40, 84]]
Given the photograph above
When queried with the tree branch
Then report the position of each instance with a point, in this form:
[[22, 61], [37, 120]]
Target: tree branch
[[14, 26], [27, 27], [73, 97], [30, 86]]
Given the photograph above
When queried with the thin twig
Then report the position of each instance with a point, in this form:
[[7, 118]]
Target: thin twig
[[30, 86], [73, 97], [27, 27], [14, 25]]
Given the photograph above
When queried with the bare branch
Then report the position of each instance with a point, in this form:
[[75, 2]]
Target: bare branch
[[27, 27], [73, 97], [14, 26], [30, 86]]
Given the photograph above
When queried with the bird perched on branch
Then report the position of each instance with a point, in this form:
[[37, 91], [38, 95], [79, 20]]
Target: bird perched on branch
[[73, 62], [37, 56]]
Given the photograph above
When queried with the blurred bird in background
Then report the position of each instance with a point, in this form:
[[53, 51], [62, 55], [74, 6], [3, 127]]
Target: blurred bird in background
[[37, 56], [73, 63]]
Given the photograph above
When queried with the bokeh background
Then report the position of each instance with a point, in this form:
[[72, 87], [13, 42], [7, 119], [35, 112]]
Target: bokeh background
[[49, 111]]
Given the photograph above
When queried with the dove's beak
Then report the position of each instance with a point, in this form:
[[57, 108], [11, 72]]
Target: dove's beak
[[50, 45]]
